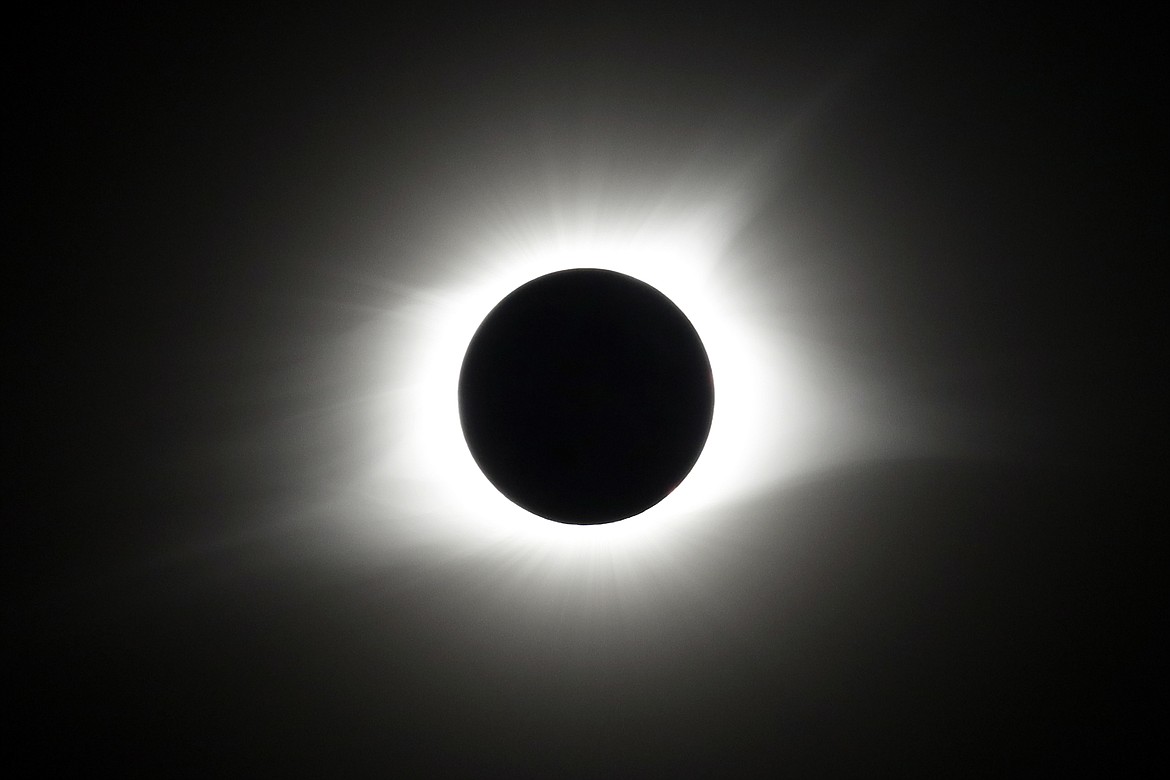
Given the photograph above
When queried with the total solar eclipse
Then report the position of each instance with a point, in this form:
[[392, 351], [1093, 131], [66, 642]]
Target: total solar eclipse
[[586, 396]]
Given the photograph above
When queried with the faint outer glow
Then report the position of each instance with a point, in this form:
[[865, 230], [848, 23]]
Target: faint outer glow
[[425, 488]]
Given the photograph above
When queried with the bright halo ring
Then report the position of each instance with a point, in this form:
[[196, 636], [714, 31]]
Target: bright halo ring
[[430, 488]]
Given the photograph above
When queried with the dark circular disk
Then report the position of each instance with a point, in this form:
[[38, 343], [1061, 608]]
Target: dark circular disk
[[586, 396]]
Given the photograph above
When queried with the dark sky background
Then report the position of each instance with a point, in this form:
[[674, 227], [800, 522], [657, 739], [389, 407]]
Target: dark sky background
[[965, 197]]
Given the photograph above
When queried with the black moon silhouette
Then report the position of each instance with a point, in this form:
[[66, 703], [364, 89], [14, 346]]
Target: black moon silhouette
[[586, 396]]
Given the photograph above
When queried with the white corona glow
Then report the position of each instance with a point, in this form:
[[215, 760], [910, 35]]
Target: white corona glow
[[426, 489]]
